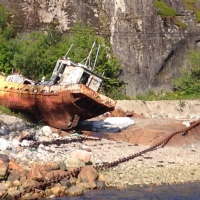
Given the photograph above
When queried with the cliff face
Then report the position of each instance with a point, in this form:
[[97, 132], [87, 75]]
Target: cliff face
[[151, 49]]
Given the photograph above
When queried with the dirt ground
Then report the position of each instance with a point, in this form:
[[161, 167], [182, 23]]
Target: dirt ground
[[177, 109]]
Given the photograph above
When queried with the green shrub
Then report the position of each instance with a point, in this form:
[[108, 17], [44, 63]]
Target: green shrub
[[189, 83]]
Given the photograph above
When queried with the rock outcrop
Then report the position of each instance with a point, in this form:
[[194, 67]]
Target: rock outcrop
[[152, 49]]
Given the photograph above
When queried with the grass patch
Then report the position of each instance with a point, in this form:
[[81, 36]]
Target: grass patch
[[4, 110], [153, 96], [191, 5], [179, 23], [198, 16], [166, 11], [8, 111], [163, 9]]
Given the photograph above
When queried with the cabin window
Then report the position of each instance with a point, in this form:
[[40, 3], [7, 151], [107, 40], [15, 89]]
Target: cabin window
[[57, 67], [62, 68], [26, 82], [84, 78]]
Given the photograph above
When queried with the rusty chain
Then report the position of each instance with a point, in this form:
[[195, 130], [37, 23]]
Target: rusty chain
[[162, 143], [62, 141], [57, 177]]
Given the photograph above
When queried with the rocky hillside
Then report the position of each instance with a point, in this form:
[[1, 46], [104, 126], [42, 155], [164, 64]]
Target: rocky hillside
[[151, 45]]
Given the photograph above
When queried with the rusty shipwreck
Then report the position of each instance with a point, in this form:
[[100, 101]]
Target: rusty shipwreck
[[71, 95]]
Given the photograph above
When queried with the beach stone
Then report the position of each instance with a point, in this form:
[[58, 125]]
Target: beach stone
[[16, 183], [3, 167], [29, 183], [54, 166], [15, 142], [4, 144], [13, 165], [55, 173], [25, 143], [4, 158], [4, 130], [22, 178], [14, 175], [56, 190], [84, 185], [104, 179], [88, 174], [101, 184], [65, 182], [64, 134], [32, 196], [55, 130], [3, 187], [48, 192], [7, 184], [75, 191], [13, 191], [73, 181], [2, 193], [118, 112], [71, 163], [34, 173], [62, 166], [38, 171], [46, 130], [81, 155], [85, 148]]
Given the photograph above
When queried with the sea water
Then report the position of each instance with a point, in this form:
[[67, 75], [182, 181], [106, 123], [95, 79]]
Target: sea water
[[189, 191]]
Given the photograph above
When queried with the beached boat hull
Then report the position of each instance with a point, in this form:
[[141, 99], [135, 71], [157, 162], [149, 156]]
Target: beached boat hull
[[58, 106]]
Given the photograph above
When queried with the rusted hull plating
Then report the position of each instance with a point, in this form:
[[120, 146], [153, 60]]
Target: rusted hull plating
[[58, 106]]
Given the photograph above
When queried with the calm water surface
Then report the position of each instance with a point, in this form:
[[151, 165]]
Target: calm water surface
[[189, 191]]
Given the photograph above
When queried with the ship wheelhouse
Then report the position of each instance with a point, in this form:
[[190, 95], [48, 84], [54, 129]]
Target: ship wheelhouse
[[66, 72]]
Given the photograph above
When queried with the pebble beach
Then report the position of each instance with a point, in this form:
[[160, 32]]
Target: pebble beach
[[23, 165]]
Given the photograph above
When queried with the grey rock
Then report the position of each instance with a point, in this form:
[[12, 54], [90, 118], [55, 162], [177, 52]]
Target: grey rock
[[75, 191], [62, 166], [65, 182]]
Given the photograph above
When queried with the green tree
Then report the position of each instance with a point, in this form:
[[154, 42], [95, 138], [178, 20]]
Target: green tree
[[35, 54], [30, 56], [7, 50]]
